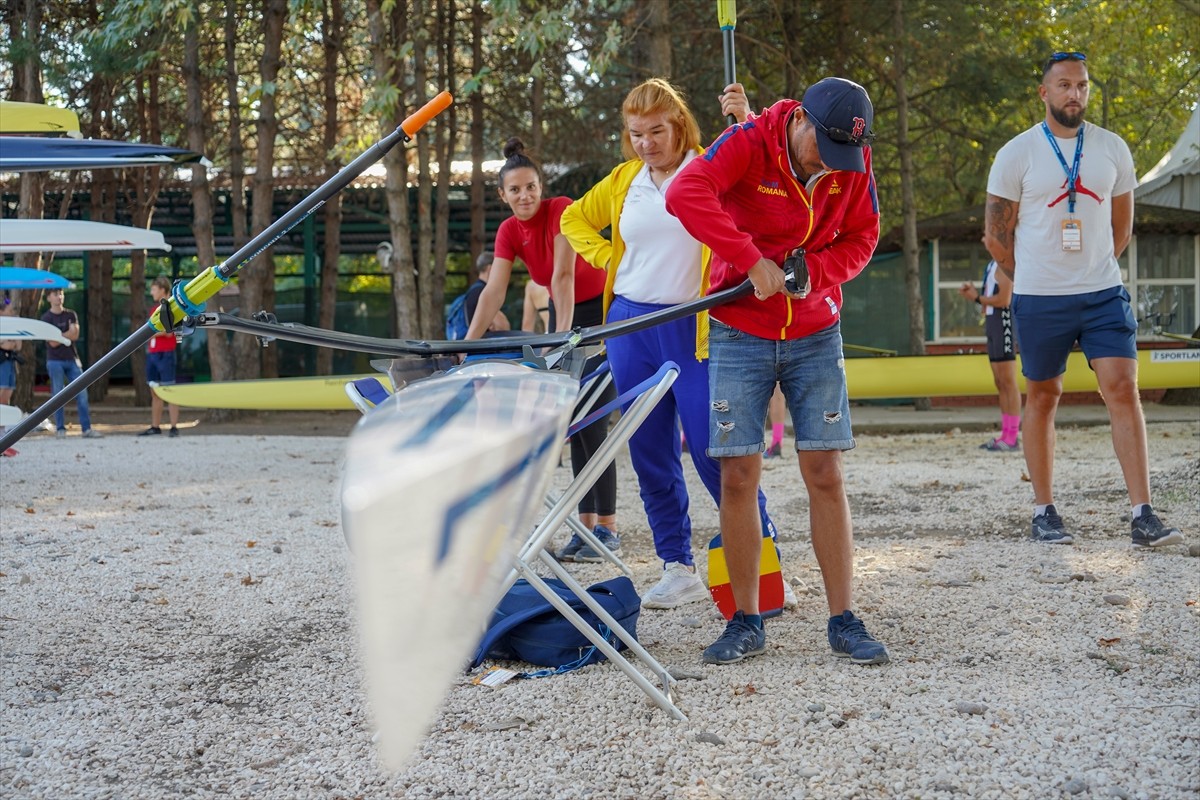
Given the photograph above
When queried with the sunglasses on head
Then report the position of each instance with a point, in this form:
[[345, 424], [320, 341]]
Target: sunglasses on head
[[842, 136], [1063, 56]]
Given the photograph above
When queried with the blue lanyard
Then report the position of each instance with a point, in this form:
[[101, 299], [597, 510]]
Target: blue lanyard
[[1073, 172]]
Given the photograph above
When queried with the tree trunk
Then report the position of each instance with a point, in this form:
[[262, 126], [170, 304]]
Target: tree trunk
[[219, 358], [908, 205], [658, 38], [479, 241], [257, 279], [327, 302], [146, 184], [24, 22], [424, 255], [444, 136], [99, 324], [387, 36], [237, 151]]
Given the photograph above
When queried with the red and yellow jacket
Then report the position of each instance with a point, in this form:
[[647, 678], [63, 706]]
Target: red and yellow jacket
[[742, 200]]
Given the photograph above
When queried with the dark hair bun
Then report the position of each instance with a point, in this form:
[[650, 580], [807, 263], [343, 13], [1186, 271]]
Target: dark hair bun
[[513, 147]]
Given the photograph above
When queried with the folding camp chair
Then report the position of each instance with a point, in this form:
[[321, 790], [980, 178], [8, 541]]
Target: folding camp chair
[[645, 396]]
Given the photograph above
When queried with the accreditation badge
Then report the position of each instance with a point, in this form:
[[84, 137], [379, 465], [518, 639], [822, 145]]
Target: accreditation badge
[[1072, 235]]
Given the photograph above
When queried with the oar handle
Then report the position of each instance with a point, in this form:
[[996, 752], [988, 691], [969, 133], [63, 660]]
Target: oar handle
[[727, 18]]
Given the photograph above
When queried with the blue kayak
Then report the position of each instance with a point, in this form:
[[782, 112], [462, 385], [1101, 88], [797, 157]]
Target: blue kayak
[[41, 154], [28, 278]]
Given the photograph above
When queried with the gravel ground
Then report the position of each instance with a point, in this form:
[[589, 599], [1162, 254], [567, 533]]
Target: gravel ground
[[177, 620]]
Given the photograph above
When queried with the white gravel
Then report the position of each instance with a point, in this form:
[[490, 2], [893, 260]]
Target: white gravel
[[149, 651]]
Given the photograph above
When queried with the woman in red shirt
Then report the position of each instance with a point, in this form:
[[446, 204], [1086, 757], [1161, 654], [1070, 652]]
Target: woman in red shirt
[[532, 234]]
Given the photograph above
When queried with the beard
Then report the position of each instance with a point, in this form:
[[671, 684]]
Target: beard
[[1068, 119]]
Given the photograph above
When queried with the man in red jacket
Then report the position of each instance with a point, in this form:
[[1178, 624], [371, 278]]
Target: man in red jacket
[[791, 186]]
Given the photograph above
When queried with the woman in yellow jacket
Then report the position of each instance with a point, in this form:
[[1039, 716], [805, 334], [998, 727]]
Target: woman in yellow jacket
[[652, 263]]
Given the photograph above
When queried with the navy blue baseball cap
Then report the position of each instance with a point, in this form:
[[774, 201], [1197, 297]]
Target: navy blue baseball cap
[[841, 113]]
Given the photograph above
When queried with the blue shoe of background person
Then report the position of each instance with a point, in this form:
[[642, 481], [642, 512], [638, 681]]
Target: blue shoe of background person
[[588, 554], [1000, 446], [848, 638], [570, 549], [1149, 531], [740, 640], [1048, 528]]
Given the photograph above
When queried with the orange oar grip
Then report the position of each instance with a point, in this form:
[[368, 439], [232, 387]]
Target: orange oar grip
[[416, 120]]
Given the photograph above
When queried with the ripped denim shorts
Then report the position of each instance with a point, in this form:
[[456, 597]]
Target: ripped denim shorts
[[742, 373]]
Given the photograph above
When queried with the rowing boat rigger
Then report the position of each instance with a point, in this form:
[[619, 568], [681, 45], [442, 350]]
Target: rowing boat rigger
[[442, 483]]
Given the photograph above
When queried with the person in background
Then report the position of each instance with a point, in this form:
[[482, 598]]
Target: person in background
[[533, 235], [791, 186], [160, 366], [62, 362], [483, 266], [1001, 351], [10, 357], [776, 415], [535, 311], [653, 263], [1056, 223]]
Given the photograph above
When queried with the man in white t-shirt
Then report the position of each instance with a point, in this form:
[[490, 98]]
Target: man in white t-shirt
[[1058, 216]]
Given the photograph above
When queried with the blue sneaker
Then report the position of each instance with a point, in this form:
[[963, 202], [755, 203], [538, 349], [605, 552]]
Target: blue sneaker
[[849, 639], [740, 640], [607, 538], [567, 553], [1149, 531], [1000, 446], [1048, 528]]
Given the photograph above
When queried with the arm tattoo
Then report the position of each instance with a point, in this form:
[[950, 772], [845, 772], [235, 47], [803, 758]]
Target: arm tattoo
[[1001, 220]]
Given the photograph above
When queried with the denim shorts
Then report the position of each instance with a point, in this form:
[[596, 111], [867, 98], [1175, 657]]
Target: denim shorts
[[1048, 326], [8, 374], [742, 373]]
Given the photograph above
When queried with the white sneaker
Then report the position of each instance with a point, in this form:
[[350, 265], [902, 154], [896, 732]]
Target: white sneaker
[[679, 585], [789, 597]]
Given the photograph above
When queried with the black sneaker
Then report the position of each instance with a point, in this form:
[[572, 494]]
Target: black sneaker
[[1048, 528], [848, 638], [173, 433], [740, 640], [151, 431], [1149, 531], [570, 548]]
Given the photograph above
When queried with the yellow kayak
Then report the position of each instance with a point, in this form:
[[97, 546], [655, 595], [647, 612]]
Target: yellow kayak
[[273, 394], [867, 378], [965, 375], [36, 119]]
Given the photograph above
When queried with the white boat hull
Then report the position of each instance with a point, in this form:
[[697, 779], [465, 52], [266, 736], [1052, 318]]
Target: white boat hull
[[74, 235], [443, 481], [30, 330]]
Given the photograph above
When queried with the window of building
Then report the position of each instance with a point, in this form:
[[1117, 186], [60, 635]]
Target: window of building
[[1162, 273]]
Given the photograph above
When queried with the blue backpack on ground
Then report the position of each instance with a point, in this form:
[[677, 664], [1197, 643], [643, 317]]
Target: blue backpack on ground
[[456, 318], [525, 627]]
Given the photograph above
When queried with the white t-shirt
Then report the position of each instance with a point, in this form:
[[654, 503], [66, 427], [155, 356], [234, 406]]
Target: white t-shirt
[[661, 263], [1027, 171]]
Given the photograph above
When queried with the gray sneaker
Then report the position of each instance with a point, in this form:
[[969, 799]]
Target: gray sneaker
[[1048, 528], [588, 554], [92, 433], [1149, 531], [567, 553], [61, 433]]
